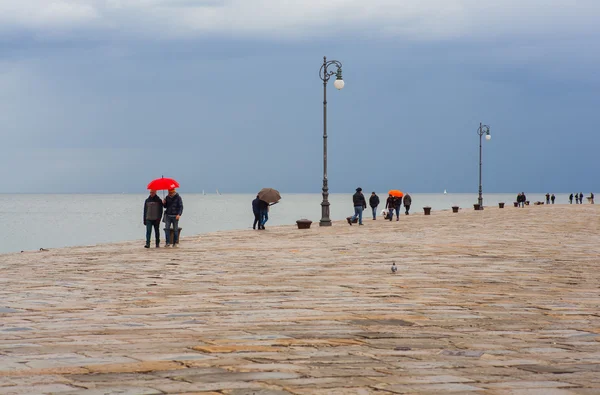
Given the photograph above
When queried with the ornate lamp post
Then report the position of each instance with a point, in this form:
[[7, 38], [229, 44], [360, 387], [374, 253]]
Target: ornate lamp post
[[339, 84], [483, 130]]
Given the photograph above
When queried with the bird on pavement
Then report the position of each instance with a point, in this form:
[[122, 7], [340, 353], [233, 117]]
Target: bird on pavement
[[394, 267]]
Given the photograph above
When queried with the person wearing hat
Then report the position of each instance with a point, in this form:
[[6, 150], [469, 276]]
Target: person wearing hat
[[374, 202], [359, 205], [173, 210]]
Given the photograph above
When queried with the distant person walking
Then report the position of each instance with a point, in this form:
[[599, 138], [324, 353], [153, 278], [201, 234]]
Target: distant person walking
[[407, 203], [173, 210], [591, 198], [552, 198], [521, 199], [263, 213], [547, 198], [580, 197], [256, 212], [397, 206], [374, 202], [571, 199], [358, 199], [576, 198], [390, 205], [153, 210]]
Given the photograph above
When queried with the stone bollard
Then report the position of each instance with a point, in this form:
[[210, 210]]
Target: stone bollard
[[500, 205], [455, 209], [477, 207], [516, 204], [304, 223], [427, 210]]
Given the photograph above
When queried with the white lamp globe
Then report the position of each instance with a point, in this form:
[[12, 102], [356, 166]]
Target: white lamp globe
[[488, 137], [339, 84]]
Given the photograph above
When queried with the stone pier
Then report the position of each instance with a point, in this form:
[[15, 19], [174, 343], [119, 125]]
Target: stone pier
[[499, 301]]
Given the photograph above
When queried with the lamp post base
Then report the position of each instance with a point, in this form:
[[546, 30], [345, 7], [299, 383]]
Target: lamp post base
[[325, 222]]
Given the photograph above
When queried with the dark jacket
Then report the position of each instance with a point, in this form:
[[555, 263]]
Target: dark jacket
[[262, 205], [174, 205], [407, 200], [153, 208], [390, 203], [359, 200], [374, 201], [255, 206]]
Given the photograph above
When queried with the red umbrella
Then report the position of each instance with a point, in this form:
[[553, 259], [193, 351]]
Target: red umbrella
[[163, 183], [396, 193]]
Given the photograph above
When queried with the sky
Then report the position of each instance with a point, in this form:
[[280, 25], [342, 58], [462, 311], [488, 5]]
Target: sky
[[102, 96]]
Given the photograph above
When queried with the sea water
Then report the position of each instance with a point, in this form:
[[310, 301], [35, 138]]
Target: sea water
[[30, 222]]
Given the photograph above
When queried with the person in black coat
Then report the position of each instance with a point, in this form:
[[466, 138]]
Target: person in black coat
[[390, 205], [552, 198], [263, 209], [581, 197], [407, 202], [173, 210], [358, 199], [256, 212], [153, 210], [547, 198], [374, 202], [571, 199]]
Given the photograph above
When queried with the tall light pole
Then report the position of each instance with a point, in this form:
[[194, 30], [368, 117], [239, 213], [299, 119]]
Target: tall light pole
[[339, 84], [483, 130]]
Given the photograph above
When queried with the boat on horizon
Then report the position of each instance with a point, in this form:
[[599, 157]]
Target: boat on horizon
[[445, 193]]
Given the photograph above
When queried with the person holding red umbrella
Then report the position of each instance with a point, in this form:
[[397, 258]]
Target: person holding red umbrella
[[173, 210]]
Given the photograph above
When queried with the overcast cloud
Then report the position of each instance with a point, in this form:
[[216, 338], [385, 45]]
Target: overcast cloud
[[101, 96]]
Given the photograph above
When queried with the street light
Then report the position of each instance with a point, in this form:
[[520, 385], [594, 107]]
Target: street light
[[483, 130], [324, 74]]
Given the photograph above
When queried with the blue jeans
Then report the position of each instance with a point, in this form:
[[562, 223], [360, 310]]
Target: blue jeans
[[264, 217], [149, 225], [374, 212], [397, 211], [358, 213], [171, 219]]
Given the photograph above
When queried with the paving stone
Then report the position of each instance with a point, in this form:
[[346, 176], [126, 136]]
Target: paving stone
[[148, 366], [528, 384], [115, 391], [547, 369]]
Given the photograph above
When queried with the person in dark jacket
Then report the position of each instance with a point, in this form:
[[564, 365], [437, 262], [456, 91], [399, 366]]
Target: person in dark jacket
[[547, 198], [358, 199], [374, 202], [580, 197], [591, 198], [397, 206], [173, 210], [407, 203], [256, 212], [390, 204], [571, 199], [552, 198], [153, 209], [263, 212], [576, 198]]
